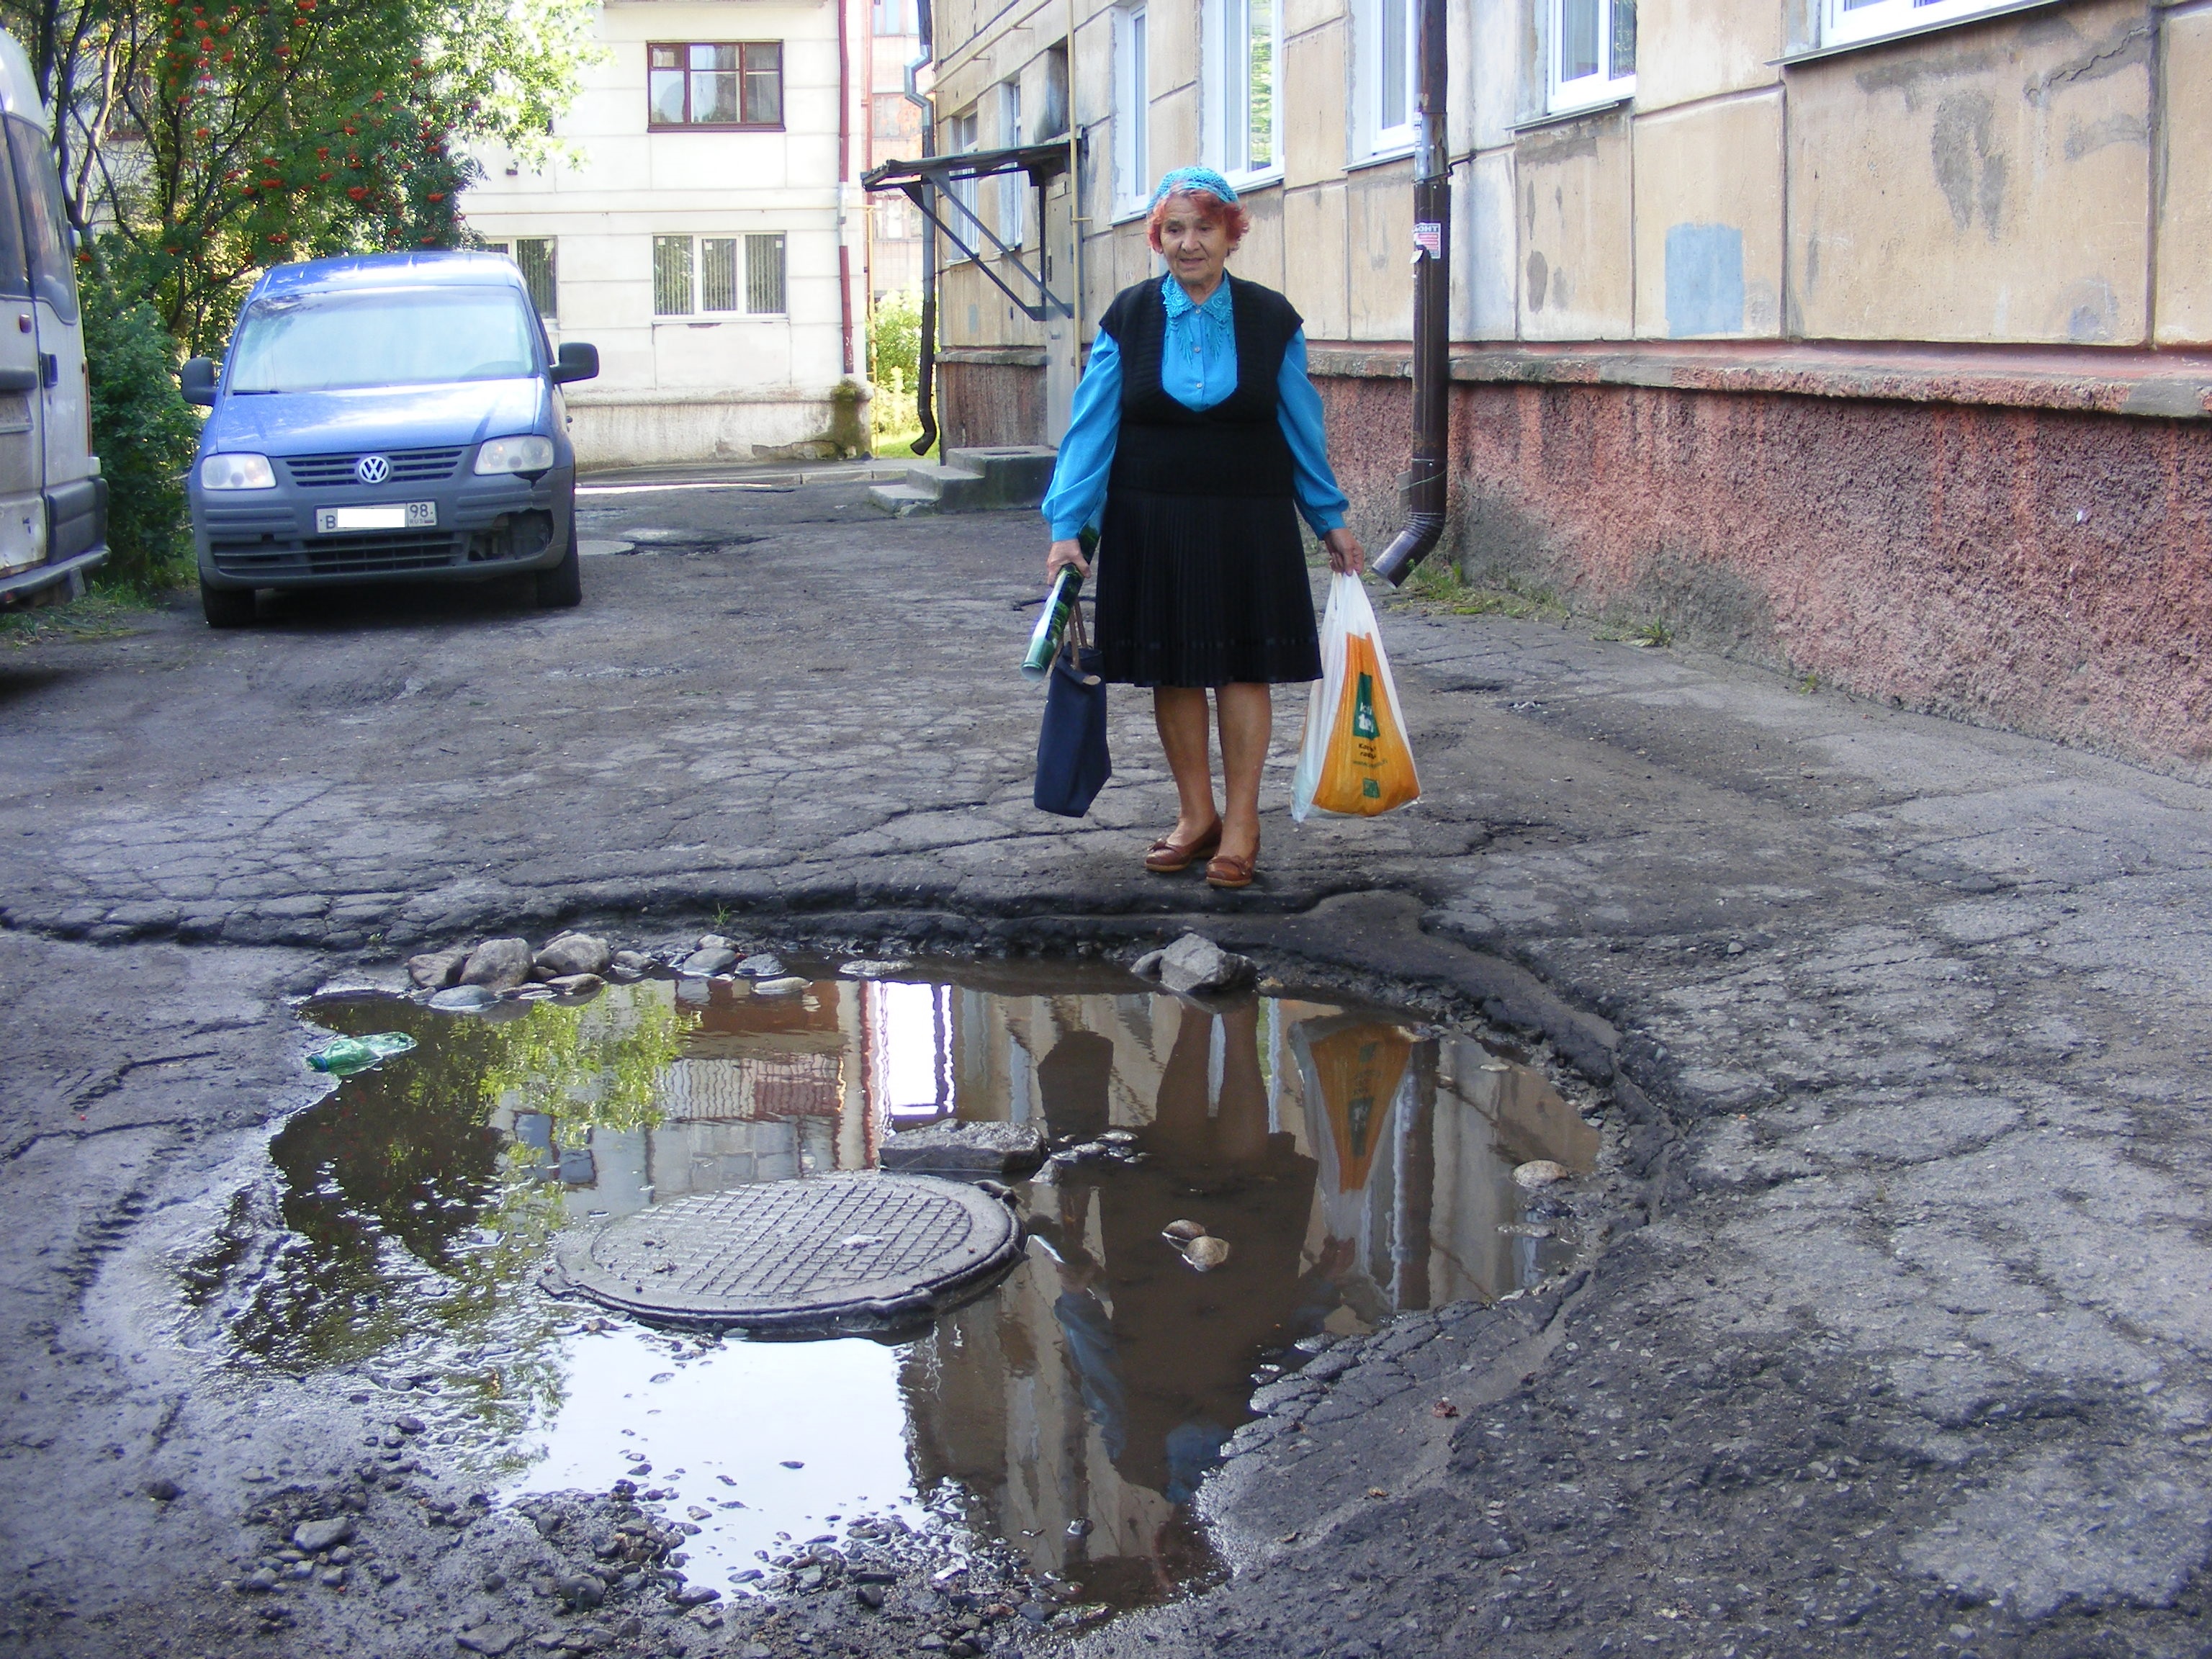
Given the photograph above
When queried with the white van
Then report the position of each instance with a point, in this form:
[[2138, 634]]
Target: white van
[[53, 502]]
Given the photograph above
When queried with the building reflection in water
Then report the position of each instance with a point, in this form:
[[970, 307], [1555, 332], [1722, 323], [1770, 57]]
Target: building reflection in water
[[1357, 1168]]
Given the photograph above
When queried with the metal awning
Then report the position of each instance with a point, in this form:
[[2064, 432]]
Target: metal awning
[[923, 181]]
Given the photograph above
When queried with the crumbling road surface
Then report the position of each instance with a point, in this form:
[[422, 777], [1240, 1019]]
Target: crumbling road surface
[[1898, 1343]]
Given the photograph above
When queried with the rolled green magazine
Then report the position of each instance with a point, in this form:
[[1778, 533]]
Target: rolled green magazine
[[1059, 606]]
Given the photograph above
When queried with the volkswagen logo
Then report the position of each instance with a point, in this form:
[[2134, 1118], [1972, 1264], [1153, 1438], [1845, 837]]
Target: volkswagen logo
[[373, 469]]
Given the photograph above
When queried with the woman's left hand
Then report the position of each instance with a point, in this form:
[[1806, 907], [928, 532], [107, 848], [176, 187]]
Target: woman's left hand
[[1346, 556]]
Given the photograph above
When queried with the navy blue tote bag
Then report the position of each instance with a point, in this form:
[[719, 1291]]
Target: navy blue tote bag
[[1072, 762]]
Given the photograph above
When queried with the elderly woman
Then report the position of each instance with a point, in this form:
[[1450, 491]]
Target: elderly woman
[[1196, 429]]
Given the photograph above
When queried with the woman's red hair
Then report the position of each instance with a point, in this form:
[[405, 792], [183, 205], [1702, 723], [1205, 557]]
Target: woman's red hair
[[1208, 205]]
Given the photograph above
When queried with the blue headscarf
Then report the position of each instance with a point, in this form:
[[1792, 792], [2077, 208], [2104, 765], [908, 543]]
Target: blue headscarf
[[1189, 178]]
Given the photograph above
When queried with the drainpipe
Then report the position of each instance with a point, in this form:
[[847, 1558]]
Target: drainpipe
[[925, 380], [844, 175], [1425, 479]]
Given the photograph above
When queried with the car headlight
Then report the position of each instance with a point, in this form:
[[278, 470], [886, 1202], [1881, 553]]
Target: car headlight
[[530, 455], [237, 472]]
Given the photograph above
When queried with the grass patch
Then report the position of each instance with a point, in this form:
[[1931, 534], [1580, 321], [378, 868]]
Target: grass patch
[[109, 614], [1439, 587], [1653, 632]]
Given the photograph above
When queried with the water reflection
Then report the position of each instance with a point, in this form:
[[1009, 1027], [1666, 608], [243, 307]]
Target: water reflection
[[1356, 1164]]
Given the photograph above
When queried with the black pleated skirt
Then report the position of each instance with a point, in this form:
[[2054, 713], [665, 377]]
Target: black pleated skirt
[[1200, 591]]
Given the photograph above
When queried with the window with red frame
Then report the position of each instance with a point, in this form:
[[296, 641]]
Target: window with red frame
[[724, 83]]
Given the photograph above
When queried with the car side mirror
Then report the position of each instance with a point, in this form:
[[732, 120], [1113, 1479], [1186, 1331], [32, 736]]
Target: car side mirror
[[197, 381], [578, 361]]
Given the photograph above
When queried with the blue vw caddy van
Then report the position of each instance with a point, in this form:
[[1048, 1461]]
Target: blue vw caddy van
[[385, 417]]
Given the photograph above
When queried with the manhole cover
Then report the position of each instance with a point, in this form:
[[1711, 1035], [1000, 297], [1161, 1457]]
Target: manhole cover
[[838, 1253]]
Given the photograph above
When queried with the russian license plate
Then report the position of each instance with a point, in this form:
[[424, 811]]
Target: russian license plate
[[391, 515]]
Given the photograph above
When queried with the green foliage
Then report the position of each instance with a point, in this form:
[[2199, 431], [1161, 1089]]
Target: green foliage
[[895, 341], [223, 136], [144, 434], [895, 367]]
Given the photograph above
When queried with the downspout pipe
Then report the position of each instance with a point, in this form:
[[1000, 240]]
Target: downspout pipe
[[1425, 480], [925, 380], [844, 180]]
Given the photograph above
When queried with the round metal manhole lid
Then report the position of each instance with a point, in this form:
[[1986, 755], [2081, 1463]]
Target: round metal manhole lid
[[836, 1253]]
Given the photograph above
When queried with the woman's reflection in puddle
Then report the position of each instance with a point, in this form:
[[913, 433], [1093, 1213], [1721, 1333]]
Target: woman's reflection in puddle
[[1163, 1352]]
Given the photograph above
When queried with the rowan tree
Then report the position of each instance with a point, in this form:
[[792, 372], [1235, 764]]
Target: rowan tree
[[200, 140]]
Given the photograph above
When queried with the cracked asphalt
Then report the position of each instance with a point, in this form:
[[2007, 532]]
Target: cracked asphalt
[[1894, 1340]]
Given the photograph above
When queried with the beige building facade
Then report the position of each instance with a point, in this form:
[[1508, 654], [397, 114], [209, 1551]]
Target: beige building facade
[[702, 226], [1872, 338]]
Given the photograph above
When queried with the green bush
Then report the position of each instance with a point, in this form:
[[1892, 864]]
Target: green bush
[[893, 369], [143, 433]]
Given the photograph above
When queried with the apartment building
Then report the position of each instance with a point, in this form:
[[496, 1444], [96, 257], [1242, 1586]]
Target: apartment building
[[701, 227], [1867, 338]]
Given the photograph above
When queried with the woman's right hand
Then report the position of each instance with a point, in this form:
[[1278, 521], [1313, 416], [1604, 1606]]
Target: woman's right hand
[[1063, 554]]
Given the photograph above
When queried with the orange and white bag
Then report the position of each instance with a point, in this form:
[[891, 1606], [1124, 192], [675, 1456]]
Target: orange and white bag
[[1353, 759]]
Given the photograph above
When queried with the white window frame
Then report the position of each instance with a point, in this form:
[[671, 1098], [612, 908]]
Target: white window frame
[[1373, 135], [1013, 187], [1584, 91], [1877, 19], [1228, 79], [960, 139], [695, 278], [1133, 113]]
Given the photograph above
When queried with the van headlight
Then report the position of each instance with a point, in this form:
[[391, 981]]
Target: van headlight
[[530, 455], [237, 472]]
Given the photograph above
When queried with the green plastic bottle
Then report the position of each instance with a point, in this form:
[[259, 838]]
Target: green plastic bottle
[[349, 1054]]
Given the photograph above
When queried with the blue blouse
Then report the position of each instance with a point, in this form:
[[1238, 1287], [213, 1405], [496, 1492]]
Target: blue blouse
[[1198, 369]]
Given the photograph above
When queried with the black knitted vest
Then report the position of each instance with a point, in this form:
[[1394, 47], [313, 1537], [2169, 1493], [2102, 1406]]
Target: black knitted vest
[[1235, 448]]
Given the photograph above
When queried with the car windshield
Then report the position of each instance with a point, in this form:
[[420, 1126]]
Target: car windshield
[[389, 337]]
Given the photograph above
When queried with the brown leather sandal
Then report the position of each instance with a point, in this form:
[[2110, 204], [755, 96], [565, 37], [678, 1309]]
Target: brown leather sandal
[[1165, 857], [1226, 870]]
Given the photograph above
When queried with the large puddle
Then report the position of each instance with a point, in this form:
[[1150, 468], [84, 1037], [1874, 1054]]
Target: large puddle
[[1358, 1161]]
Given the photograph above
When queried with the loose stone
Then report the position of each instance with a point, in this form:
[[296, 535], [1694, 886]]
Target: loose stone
[[711, 959], [764, 964], [1205, 1254], [789, 985], [313, 1537], [164, 1490], [1195, 964], [575, 985], [434, 970], [570, 954], [463, 999], [498, 964], [866, 970], [1539, 1172]]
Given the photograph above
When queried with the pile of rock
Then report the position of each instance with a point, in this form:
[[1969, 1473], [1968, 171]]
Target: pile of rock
[[568, 964]]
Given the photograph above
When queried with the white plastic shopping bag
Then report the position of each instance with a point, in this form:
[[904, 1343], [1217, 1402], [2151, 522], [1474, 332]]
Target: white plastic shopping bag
[[1353, 758]]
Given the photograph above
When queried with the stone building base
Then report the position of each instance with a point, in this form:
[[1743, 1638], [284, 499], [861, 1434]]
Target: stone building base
[[666, 428]]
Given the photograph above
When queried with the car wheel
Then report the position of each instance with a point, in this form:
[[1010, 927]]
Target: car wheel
[[563, 584], [227, 607]]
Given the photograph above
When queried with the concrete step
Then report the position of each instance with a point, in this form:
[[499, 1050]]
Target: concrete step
[[980, 480]]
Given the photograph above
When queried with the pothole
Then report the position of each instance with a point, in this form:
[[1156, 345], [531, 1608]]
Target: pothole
[[1354, 1161]]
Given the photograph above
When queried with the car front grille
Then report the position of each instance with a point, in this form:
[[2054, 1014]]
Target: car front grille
[[376, 554], [408, 466]]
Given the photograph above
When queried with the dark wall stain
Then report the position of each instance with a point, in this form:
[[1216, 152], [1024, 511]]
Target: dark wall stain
[[1551, 151], [2127, 47], [1913, 76], [1968, 165], [2087, 138], [1539, 277]]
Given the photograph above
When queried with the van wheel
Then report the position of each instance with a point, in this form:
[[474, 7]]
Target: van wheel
[[227, 607], [562, 586]]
